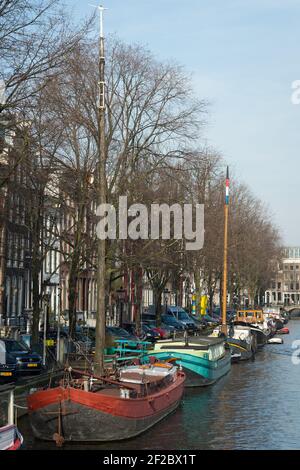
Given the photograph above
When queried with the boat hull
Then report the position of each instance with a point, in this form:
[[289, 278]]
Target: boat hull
[[92, 417], [200, 372], [261, 337], [241, 347], [84, 424], [10, 438]]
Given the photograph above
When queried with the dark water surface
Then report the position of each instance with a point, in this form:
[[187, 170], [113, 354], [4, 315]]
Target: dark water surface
[[256, 406]]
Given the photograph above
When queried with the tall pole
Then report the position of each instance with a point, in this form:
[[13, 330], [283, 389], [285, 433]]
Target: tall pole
[[101, 190], [224, 292], [45, 333], [58, 326]]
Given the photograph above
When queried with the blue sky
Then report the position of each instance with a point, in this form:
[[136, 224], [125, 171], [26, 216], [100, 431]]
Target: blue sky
[[243, 56]]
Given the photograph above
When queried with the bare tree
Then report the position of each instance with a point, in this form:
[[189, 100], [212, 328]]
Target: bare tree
[[35, 36], [151, 115]]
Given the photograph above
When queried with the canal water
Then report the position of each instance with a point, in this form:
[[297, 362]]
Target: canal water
[[256, 406]]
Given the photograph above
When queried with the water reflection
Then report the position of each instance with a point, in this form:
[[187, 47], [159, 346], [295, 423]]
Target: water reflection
[[256, 406]]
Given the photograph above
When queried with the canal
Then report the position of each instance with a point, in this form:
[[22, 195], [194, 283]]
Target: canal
[[256, 406]]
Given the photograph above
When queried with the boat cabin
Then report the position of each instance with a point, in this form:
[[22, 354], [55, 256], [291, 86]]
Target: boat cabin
[[250, 316]]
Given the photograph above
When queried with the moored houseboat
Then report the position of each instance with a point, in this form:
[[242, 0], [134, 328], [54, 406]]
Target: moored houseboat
[[255, 320], [242, 342], [204, 359]]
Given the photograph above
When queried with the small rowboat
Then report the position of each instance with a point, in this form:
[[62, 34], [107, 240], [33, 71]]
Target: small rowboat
[[283, 331], [275, 341]]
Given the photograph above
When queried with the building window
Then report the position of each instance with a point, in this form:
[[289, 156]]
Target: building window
[[279, 285], [292, 286]]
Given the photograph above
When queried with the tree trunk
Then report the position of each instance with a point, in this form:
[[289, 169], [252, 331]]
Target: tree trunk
[[36, 266], [157, 303], [36, 308], [72, 300]]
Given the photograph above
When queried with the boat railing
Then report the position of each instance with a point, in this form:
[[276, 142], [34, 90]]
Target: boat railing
[[250, 316], [122, 347]]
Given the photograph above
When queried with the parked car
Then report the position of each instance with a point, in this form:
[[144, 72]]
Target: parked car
[[112, 334], [212, 321], [199, 322], [170, 320], [17, 359], [164, 331], [116, 333], [217, 313], [147, 334], [81, 340], [182, 316], [178, 313]]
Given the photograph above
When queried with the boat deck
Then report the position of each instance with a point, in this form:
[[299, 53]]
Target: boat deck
[[139, 380], [201, 340], [193, 342]]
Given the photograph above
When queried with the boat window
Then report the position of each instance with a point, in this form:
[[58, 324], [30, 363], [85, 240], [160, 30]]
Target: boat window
[[216, 351]]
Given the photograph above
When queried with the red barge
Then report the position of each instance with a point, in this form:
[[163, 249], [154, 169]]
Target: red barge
[[87, 409]]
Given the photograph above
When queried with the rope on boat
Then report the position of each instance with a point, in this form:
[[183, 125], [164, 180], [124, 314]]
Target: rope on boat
[[21, 407]]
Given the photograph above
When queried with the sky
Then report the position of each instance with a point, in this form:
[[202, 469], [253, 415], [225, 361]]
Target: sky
[[244, 56]]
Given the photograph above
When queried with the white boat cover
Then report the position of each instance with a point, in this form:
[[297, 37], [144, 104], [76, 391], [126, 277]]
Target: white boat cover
[[7, 436]]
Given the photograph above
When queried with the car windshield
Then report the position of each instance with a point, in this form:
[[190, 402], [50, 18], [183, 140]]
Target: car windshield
[[15, 346], [147, 328], [169, 319], [183, 316], [179, 313], [115, 330]]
